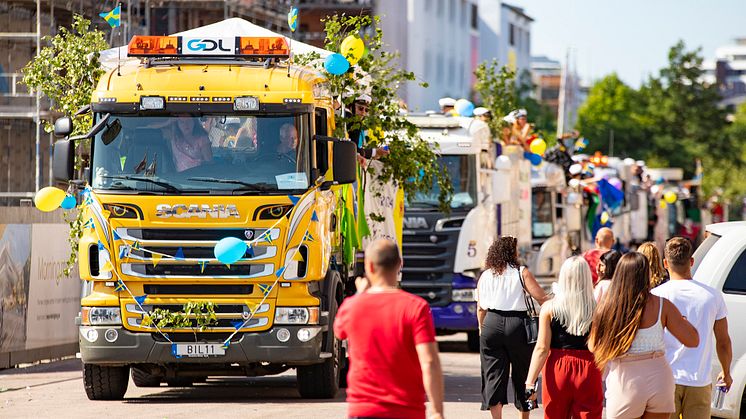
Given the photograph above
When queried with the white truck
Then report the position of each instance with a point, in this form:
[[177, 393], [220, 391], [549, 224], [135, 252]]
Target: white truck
[[444, 254], [720, 262]]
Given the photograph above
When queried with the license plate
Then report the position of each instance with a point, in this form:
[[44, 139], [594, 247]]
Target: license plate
[[199, 350]]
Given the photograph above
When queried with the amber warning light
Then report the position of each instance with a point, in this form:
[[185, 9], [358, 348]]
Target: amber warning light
[[175, 46]]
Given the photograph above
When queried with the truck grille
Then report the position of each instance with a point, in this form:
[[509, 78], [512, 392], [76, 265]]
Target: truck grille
[[197, 247], [227, 315], [168, 289], [435, 295]]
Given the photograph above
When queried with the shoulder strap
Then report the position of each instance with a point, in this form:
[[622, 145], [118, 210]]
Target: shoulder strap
[[530, 308]]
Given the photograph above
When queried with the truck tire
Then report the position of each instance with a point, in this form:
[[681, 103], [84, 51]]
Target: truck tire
[[472, 341], [142, 378], [105, 383], [321, 381]]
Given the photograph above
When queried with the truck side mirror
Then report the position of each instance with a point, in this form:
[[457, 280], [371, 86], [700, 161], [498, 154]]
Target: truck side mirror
[[344, 165], [63, 162], [63, 126]]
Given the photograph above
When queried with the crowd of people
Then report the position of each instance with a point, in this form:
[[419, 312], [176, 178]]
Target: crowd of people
[[629, 333]]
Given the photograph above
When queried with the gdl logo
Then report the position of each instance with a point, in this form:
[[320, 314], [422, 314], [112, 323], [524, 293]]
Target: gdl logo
[[207, 45]]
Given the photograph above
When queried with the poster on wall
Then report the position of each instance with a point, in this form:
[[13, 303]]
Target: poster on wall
[[54, 300], [15, 258]]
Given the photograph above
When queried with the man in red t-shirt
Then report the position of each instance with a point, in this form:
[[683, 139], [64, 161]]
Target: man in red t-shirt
[[394, 358], [604, 241]]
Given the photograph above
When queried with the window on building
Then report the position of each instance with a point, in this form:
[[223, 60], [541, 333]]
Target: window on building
[[550, 93], [439, 68], [474, 17], [511, 34]]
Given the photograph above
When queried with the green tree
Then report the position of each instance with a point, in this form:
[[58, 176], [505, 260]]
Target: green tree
[[66, 71], [729, 174], [612, 106], [413, 163], [682, 115], [495, 88]]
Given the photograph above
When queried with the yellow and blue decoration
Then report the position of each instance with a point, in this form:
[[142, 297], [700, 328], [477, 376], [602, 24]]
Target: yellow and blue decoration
[[113, 18], [293, 19]]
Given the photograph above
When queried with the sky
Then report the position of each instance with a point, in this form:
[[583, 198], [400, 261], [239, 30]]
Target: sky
[[631, 37]]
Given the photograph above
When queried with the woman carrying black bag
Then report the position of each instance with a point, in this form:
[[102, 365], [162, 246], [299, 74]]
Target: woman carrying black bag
[[502, 294]]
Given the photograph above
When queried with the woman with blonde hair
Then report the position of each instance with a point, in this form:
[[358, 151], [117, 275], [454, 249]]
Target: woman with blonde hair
[[627, 339], [572, 383], [657, 272]]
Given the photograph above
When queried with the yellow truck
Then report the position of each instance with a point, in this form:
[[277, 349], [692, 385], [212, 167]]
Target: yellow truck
[[206, 139]]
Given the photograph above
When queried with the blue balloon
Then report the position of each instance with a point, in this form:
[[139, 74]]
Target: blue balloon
[[69, 202], [464, 107], [230, 250], [293, 19], [534, 158], [336, 64]]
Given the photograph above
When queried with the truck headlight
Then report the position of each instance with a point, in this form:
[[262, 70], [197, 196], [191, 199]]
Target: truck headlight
[[94, 316], [463, 295], [152, 102], [297, 315], [246, 103]]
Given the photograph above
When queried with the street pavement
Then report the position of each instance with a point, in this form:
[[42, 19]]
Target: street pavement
[[56, 390]]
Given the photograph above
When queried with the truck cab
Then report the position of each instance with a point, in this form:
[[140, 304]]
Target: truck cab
[[188, 149], [444, 253]]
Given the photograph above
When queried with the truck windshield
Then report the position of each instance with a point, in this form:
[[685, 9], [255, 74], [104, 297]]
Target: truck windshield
[[463, 172], [542, 225], [202, 153]]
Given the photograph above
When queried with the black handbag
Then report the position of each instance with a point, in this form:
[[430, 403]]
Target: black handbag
[[531, 322]]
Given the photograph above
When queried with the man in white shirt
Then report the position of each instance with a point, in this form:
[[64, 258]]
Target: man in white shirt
[[705, 308]]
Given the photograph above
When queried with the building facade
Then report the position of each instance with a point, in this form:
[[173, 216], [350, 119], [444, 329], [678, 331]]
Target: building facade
[[728, 71], [443, 41]]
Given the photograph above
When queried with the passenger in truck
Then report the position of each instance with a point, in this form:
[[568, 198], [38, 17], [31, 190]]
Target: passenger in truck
[[189, 143]]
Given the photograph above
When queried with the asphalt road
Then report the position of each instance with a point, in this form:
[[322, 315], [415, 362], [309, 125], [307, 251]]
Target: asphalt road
[[56, 390]]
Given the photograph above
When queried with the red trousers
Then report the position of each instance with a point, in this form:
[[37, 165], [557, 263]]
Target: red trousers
[[572, 385]]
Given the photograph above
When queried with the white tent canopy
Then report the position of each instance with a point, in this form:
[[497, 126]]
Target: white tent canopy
[[229, 27]]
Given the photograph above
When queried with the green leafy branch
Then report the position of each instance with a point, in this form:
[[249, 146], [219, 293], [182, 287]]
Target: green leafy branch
[[195, 315], [66, 71], [413, 162]]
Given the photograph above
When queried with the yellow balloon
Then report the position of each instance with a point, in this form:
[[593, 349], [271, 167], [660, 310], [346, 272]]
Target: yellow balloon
[[604, 216], [353, 49], [670, 197], [49, 198], [538, 146]]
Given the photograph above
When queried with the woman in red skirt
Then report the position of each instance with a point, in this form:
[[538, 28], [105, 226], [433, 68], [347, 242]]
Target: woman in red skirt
[[572, 383]]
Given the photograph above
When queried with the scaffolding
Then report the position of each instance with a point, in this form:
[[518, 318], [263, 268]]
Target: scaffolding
[[24, 23]]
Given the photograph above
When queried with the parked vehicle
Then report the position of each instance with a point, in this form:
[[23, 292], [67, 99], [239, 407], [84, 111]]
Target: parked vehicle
[[720, 262]]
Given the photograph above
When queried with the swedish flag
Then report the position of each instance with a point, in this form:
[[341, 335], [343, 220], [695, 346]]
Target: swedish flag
[[113, 17]]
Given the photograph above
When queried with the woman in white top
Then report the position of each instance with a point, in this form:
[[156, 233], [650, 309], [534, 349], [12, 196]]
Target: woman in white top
[[605, 270], [501, 310], [627, 339]]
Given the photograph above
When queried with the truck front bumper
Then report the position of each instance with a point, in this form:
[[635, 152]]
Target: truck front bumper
[[138, 348], [456, 317]]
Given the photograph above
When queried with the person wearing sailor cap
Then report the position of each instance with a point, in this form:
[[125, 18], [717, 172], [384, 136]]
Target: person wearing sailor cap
[[359, 136], [482, 114], [446, 104]]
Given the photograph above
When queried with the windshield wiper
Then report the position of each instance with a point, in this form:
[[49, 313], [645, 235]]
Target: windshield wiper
[[245, 186], [169, 187]]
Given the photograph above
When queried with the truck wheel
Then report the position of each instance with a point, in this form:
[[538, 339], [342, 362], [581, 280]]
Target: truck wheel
[[472, 341], [321, 381], [142, 378], [105, 383]]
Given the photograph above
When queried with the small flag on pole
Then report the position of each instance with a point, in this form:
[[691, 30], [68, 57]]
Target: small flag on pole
[[116, 236], [280, 272], [308, 237], [293, 199], [113, 17], [314, 217], [155, 257], [136, 245], [202, 264], [298, 257], [179, 254], [237, 324], [226, 344], [141, 299], [120, 286]]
